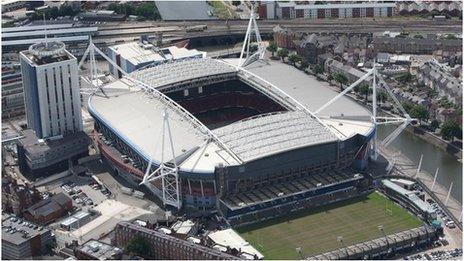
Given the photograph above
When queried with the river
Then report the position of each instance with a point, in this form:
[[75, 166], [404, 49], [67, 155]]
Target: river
[[412, 147]]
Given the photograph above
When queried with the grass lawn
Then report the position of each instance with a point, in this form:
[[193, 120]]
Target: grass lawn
[[316, 231]]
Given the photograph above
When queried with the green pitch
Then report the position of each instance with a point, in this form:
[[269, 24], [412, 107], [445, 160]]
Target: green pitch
[[316, 231]]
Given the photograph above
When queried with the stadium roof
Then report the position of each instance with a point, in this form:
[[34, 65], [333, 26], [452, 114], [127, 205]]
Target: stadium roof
[[137, 120], [136, 117], [267, 134], [180, 71]]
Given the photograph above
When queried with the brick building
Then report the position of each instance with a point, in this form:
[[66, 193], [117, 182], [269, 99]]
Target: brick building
[[49, 209], [165, 246], [16, 197], [284, 37]]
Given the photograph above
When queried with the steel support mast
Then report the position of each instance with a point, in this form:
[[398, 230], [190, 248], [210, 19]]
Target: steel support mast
[[245, 56], [376, 120], [167, 171]]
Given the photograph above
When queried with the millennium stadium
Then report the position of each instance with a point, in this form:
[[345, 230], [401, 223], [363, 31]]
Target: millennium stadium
[[237, 139], [249, 137]]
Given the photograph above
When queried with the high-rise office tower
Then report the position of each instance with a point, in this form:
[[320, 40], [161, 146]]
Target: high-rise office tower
[[51, 90]]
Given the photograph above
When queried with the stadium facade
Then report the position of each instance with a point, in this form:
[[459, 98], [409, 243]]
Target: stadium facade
[[265, 147]]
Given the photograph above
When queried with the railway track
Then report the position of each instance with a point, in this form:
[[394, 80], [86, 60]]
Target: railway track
[[219, 28]]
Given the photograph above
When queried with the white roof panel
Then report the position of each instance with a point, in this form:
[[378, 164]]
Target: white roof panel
[[181, 70], [273, 133]]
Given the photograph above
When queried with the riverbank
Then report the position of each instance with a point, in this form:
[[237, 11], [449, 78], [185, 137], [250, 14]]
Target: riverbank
[[437, 141]]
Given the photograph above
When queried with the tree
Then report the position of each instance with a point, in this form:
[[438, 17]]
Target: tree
[[148, 10], [432, 93], [294, 58], [407, 107], [330, 77], [282, 53], [341, 78], [404, 77], [138, 245], [253, 47], [236, 3], [145, 10], [364, 90], [318, 69], [419, 112], [450, 130], [450, 37], [381, 97], [272, 47], [304, 64], [434, 125]]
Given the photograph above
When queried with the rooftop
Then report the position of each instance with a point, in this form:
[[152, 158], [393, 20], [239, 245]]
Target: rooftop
[[184, 10], [35, 27], [137, 123], [178, 71], [16, 231], [36, 146], [230, 238], [424, 206], [49, 205], [49, 31], [78, 38], [267, 134], [183, 227], [47, 51], [140, 53], [100, 250], [74, 218]]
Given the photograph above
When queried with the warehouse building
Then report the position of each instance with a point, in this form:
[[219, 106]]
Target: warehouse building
[[136, 55]]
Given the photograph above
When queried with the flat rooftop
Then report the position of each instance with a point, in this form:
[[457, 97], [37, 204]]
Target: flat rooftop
[[100, 250], [35, 146], [345, 116], [184, 10], [139, 53], [137, 120], [136, 117], [17, 231]]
